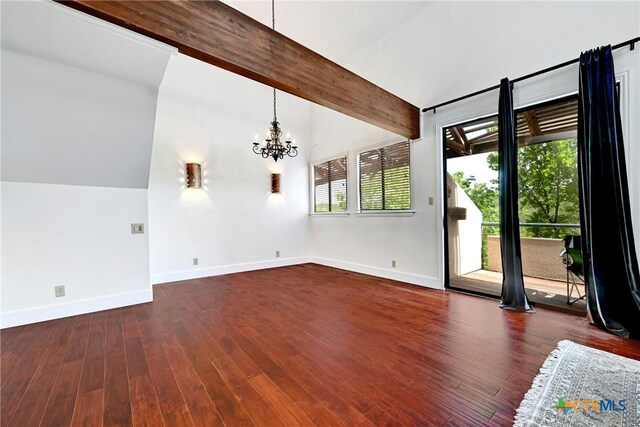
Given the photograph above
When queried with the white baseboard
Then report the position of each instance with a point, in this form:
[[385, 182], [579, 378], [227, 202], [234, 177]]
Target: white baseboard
[[198, 273], [50, 312], [414, 279], [73, 308]]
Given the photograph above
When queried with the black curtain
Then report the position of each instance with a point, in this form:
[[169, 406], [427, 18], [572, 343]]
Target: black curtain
[[513, 295], [610, 262]]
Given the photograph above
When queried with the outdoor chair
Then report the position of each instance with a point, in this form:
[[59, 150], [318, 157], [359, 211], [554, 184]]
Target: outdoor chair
[[572, 259]]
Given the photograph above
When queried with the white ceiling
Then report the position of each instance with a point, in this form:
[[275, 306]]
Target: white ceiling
[[57, 33], [78, 97], [334, 29]]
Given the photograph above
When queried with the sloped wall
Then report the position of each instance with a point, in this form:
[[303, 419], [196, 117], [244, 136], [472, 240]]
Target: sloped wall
[[76, 153]]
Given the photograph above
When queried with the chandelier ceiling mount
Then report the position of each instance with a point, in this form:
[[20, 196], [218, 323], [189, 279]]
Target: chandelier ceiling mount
[[272, 146]]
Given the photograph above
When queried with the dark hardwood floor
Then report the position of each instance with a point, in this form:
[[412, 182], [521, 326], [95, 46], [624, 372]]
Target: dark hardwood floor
[[299, 345]]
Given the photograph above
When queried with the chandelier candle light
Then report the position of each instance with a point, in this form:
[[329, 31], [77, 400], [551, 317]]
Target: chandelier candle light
[[272, 146]]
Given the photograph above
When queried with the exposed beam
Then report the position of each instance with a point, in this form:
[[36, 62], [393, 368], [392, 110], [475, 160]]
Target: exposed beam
[[461, 138], [220, 35], [532, 122]]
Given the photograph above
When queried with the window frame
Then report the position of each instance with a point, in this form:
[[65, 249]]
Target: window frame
[[386, 212], [312, 187]]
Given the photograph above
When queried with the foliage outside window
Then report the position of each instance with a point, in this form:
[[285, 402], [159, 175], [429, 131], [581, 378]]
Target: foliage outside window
[[547, 187], [385, 178], [330, 186]]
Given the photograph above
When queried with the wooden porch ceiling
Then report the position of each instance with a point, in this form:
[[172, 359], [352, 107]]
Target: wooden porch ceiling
[[220, 35], [534, 125]]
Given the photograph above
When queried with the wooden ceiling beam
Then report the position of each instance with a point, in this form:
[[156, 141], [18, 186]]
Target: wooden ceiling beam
[[532, 122], [220, 35], [461, 138]]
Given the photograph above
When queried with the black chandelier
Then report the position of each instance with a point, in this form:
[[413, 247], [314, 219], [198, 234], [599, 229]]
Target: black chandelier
[[272, 146]]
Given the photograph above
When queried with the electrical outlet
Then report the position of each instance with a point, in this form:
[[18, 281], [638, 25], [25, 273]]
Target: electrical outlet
[[59, 291], [430, 200], [195, 261], [277, 254], [393, 263], [137, 228]]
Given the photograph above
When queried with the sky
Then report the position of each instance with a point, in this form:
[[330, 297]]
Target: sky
[[475, 165]]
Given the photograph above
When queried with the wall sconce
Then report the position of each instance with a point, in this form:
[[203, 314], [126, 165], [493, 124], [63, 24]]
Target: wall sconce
[[275, 183], [194, 175]]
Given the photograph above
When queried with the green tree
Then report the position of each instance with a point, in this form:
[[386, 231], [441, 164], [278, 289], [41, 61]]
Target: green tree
[[395, 194], [341, 197], [547, 186], [483, 195]]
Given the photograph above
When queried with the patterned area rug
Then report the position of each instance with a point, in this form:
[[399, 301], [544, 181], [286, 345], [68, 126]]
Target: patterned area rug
[[582, 386]]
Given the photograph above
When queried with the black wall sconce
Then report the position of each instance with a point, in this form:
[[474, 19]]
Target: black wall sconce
[[194, 175], [275, 183]]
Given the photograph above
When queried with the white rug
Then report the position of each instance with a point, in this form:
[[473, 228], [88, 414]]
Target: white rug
[[582, 386]]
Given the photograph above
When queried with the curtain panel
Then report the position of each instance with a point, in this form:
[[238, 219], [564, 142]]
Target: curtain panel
[[513, 295], [610, 260]]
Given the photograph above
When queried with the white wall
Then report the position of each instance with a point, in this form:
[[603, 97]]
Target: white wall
[[464, 235], [77, 133], [210, 116], [447, 50], [368, 243], [75, 236], [72, 140], [65, 125]]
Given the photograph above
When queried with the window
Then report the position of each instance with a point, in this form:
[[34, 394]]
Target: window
[[384, 178], [330, 186]]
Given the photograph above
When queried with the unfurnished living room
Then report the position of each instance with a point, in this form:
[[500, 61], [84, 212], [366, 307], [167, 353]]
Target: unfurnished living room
[[320, 213]]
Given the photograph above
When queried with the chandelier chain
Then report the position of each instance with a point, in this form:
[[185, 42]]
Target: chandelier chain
[[273, 26], [273, 146], [273, 15]]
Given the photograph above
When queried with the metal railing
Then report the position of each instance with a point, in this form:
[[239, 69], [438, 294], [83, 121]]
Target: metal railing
[[534, 224]]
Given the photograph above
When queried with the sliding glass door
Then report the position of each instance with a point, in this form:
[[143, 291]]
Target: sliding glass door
[[548, 201]]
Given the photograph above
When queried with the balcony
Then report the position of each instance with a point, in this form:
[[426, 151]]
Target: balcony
[[545, 273]]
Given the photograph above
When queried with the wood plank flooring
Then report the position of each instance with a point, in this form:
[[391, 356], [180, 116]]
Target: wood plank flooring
[[302, 345], [540, 291]]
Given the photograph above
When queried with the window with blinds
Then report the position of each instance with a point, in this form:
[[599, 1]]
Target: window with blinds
[[385, 182], [330, 186]]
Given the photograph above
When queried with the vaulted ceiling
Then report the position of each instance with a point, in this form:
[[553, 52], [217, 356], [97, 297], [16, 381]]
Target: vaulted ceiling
[[78, 97], [223, 36], [56, 33], [335, 29]]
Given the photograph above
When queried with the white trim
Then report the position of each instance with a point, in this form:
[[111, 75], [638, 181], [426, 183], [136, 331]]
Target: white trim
[[629, 149], [414, 279], [197, 273], [380, 145], [622, 77], [544, 98], [329, 158], [312, 187], [329, 214], [440, 166], [386, 213], [73, 308]]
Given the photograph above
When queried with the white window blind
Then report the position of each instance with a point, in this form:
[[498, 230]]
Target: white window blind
[[385, 182], [330, 186]]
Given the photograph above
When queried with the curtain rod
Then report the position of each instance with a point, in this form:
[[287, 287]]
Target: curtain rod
[[631, 43]]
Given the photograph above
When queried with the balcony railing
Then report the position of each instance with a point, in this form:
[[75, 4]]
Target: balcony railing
[[534, 224], [539, 255]]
